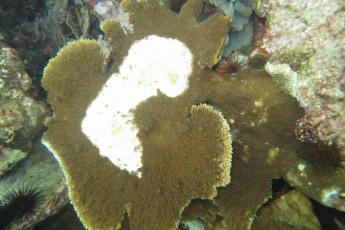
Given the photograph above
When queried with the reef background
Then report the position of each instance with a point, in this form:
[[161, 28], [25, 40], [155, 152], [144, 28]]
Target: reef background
[[31, 32]]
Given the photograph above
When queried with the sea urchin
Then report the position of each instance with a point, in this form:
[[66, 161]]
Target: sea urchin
[[19, 203]]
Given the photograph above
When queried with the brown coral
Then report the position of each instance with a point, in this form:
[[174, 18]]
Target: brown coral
[[180, 162], [293, 210]]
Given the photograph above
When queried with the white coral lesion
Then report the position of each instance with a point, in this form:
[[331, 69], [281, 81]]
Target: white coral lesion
[[153, 63]]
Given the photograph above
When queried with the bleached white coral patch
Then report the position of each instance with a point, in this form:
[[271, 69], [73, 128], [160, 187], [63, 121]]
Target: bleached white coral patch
[[153, 63]]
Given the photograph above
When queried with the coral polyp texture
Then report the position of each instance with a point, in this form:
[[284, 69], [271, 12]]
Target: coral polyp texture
[[157, 151], [143, 129]]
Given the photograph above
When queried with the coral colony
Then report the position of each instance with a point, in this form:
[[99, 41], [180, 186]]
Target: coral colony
[[157, 128]]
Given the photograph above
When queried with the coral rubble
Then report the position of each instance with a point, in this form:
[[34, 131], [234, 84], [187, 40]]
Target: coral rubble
[[183, 141]]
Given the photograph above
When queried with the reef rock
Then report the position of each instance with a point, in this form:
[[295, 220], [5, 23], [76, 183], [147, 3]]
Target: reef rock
[[22, 117], [306, 42]]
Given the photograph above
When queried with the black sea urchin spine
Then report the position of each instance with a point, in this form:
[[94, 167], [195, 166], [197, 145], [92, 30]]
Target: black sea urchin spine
[[18, 204]]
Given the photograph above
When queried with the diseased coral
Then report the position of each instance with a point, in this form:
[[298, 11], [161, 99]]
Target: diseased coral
[[177, 145], [179, 122]]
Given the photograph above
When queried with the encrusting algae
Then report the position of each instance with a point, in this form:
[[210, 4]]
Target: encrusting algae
[[178, 122]]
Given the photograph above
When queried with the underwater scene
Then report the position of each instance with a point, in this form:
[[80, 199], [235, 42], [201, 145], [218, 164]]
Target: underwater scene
[[172, 114]]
